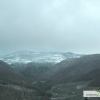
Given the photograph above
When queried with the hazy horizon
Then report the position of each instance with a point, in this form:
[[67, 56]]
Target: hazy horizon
[[47, 52]]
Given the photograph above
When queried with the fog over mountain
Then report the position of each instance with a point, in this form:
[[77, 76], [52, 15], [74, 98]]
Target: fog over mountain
[[54, 25], [38, 57]]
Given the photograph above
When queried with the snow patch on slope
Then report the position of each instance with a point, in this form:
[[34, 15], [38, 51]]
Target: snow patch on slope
[[28, 56]]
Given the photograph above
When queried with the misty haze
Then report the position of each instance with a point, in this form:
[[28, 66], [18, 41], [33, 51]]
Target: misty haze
[[49, 49]]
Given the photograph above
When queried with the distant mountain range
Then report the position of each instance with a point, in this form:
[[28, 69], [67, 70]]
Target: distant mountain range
[[29, 56]]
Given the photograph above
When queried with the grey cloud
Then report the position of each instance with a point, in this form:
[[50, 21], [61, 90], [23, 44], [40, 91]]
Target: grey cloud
[[54, 25]]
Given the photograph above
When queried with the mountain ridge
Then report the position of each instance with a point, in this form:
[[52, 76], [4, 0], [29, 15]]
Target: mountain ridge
[[29, 56], [77, 68]]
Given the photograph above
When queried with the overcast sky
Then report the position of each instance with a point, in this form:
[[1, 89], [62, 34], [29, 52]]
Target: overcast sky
[[50, 25]]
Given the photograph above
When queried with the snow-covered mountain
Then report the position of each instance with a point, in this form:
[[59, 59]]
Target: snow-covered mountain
[[29, 56]]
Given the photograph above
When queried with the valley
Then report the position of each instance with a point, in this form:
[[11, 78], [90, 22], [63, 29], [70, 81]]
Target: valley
[[57, 76]]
